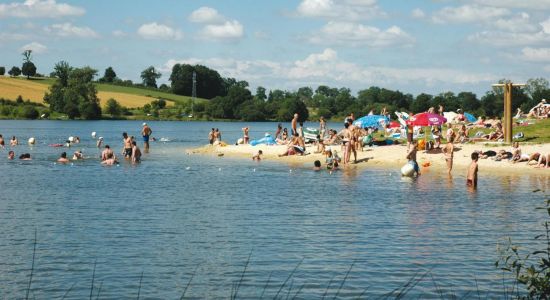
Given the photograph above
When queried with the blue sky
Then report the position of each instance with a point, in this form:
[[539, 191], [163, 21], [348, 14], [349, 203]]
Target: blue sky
[[414, 46]]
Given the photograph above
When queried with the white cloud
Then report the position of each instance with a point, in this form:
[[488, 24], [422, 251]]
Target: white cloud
[[12, 36], [154, 31], [418, 13], [39, 9], [327, 68], [519, 23], [522, 4], [353, 34], [119, 33], [69, 30], [229, 30], [340, 9], [508, 39], [536, 54], [468, 14], [35, 47], [546, 26], [206, 15]]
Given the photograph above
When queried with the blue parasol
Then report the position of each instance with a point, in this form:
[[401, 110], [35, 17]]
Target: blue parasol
[[470, 117], [372, 121]]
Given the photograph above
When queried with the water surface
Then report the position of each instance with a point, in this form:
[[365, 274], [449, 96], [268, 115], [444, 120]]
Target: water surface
[[177, 216]]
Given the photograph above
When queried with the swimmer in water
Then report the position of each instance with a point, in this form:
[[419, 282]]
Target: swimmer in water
[[14, 142], [25, 156], [63, 158], [11, 155], [105, 153], [78, 155], [258, 156], [317, 165], [110, 159], [99, 142], [136, 153]]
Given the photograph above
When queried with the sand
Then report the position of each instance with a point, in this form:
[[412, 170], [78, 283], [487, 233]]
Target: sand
[[391, 157]]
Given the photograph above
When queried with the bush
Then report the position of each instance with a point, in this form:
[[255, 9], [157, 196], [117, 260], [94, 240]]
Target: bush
[[2, 71], [28, 112]]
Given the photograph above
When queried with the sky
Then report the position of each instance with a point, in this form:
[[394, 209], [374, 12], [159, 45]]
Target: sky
[[414, 46]]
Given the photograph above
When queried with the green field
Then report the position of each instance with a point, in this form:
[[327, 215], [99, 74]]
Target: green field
[[110, 88]]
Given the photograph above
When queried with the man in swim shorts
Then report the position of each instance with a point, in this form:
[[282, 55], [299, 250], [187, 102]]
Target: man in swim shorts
[[411, 156], [146, 133], [127, 149]]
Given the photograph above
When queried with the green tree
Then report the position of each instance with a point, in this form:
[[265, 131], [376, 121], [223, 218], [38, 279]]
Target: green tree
[[28, 112], [109, 75], [113, 108], [209, 82], [28, 69], [78, 98], [421, 103], [14, 72], [150, 76], [62, 70], [469, 101], [536, 85], [158, 104], [260, 93], [291, 106], [2, 71]]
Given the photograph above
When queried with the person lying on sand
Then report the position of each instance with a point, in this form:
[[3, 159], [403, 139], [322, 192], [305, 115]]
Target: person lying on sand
[[544, 161]]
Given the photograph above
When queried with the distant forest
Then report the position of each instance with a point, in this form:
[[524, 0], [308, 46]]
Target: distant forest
[[73, 94]]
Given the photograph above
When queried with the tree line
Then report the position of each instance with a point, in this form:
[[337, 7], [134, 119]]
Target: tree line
[[74, 94]]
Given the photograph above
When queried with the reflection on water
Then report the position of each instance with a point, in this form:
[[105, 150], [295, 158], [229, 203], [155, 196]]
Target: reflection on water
[[177, 213]]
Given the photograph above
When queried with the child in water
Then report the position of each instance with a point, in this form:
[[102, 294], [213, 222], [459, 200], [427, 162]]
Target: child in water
[[471, 179], [258, 156]]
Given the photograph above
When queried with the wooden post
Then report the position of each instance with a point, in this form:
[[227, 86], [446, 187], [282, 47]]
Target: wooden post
[[508, 113]]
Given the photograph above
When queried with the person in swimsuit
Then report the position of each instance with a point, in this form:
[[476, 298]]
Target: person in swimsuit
[[317, 165], [322, 127], [211, 136], [278, 132], [294, 123], [99, 142], [448, 151], [13, 141], [471, 178], [246, 138], [346, 142], [110, 160], [11, 155], [258, 156], [63, 158], [2, 142], [136, 153], [411, 156], [127, 149], [146, 133]]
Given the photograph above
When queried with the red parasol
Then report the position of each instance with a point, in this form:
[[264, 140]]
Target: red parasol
[[395, 124], [426, 119]]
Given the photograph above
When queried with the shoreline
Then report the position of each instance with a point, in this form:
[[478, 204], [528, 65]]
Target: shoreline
[[391, 156]]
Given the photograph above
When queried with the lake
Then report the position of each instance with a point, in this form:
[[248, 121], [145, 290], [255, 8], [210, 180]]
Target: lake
[[180, 219]]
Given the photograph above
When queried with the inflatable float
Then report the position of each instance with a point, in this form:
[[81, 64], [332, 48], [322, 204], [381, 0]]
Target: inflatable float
[[310, 134], [267, 140], [408, 169]]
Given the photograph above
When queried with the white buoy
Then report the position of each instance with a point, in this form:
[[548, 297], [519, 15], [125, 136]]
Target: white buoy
[[94, 134], [253, 170], [32, 141], [188, 168], [71, 139], [220, 169]]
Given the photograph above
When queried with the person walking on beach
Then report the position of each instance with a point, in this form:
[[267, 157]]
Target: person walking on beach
[[146, 133], [217, 135], [448, 153], [127, 149], [294, 123], [471, 178]]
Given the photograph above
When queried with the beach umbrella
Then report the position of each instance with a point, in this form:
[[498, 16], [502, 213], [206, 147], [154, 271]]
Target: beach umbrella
[[395, 124], [426, 119], [470, 117], [450, 116], [372, 121]]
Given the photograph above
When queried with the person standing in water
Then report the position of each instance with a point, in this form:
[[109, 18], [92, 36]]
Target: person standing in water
[[448, 151], [471, 179], [146, 133], [127, 149], [136, 153]]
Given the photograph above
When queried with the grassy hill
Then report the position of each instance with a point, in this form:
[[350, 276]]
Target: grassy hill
[[131, 97]]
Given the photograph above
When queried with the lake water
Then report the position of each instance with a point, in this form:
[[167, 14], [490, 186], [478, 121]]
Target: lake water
[[177, 217]]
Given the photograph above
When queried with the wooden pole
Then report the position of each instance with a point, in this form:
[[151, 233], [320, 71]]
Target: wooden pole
[[508, 113]]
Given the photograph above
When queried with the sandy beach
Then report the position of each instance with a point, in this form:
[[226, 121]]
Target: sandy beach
[[391, 157]]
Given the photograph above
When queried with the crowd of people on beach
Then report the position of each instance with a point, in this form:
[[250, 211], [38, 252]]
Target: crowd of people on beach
[[351, 139], [130, 150]]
